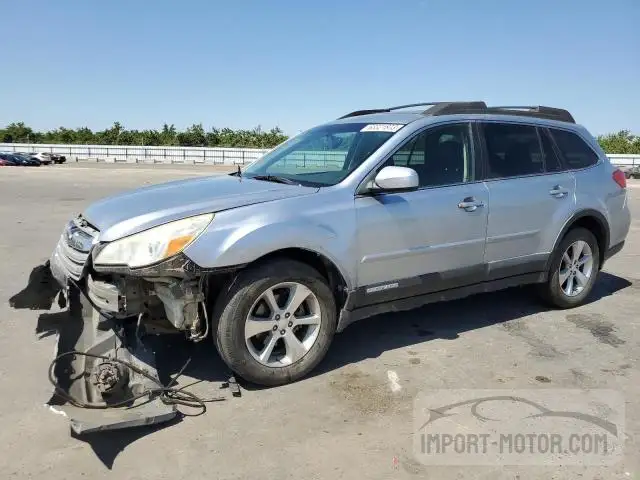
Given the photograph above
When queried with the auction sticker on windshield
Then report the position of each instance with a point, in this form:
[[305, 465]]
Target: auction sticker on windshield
[[382, 127]]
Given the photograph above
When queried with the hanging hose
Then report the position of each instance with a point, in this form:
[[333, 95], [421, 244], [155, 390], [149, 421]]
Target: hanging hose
[[199, 337], [169, 395]]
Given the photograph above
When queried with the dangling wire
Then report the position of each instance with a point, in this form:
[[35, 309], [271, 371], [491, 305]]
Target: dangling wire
[[168, 394]]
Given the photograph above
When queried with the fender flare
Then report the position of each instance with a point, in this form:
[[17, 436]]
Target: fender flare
[[589, 212], [235, 254]]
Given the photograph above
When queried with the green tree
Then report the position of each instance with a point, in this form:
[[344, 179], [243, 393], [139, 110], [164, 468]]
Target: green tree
[[84, 136], [168, 135], [195, 135], [17, 133], [621, 142]]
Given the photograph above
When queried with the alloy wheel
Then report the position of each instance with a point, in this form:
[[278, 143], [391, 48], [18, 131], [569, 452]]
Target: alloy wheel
[[576, 268], [283, 324]]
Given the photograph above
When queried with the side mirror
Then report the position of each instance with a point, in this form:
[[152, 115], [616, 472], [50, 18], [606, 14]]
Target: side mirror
[[391, 179]]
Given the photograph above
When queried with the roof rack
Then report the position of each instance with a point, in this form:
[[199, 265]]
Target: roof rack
[[451, 108], [535, 111], [410, 105]]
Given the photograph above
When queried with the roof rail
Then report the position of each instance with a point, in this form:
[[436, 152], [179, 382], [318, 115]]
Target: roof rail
[[357, 113], [410, 105], [538, 111], [449, 108], [452, 108]]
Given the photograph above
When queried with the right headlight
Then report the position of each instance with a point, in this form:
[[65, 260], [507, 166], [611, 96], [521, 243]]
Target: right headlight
[[155, 244]]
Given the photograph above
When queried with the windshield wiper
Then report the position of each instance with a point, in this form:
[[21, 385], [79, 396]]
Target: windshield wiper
[[275, 179]]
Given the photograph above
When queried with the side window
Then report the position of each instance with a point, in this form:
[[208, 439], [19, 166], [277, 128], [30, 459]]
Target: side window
[[576, 153], [512, 150], [440, 156], [551, 161]]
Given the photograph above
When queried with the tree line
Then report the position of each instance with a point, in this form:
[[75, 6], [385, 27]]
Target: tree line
[[196, 136], [621, 142]]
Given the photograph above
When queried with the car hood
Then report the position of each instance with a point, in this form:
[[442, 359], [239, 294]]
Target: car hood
[[137, 210]]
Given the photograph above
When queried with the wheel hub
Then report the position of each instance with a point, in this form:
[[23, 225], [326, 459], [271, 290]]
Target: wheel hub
[[576, 268], [283, 324]]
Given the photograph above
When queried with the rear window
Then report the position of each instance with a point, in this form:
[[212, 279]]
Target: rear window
[[513, 150], [577, 154]]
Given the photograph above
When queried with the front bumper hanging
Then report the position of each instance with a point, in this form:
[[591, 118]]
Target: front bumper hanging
[[104, 373]]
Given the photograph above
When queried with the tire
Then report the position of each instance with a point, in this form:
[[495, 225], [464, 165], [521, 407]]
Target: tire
[[246, 295], [553, 292]]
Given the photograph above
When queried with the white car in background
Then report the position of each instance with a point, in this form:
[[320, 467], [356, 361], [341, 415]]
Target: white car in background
[[44, 157]]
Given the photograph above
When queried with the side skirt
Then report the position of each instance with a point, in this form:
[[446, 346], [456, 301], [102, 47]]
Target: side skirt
[[349, 316]]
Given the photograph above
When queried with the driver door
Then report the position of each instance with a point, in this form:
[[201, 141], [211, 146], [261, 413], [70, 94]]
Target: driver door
[[423, 241]]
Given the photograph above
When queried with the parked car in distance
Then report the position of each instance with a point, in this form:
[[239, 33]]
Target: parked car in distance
[[10, 157], [44, 157], [5, 162], [19, 160], [30, 160], [632, 172], [57, 158], [381, 210]]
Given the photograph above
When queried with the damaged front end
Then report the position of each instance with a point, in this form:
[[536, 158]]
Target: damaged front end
[[105, 374]]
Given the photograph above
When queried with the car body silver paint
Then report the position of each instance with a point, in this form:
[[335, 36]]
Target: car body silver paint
[[524, 216], [408, 234], [132, 212], [378, 239], [324, 223]]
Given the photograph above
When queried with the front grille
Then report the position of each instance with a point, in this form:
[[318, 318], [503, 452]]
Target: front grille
[[74, 247]]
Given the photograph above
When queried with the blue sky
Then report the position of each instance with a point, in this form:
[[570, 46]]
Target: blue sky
[[298, 63]]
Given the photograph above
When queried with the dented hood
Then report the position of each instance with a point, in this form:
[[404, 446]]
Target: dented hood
[[143, 208]]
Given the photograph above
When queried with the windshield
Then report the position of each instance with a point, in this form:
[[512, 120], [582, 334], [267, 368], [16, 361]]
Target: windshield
[[324, 155]]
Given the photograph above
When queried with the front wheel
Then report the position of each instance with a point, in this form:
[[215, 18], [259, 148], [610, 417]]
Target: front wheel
[[276, 322], [574, 268]]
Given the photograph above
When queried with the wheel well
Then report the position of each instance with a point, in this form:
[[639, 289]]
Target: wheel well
[[319, 262], [596, 227]]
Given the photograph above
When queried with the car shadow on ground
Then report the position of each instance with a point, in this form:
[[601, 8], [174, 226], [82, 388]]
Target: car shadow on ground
[[371, 337], [365, 339]]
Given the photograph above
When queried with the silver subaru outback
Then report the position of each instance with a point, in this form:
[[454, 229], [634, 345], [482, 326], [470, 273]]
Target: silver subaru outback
[[380, 210]]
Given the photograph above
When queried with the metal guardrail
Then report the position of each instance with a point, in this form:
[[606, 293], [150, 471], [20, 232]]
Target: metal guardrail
[[624, 160], [202, 155], [142, 154]]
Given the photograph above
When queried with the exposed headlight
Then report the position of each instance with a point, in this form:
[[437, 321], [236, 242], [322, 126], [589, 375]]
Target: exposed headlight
[[155, 244]]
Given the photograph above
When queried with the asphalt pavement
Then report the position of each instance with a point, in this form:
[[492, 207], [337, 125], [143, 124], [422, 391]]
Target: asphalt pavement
[[353, 418]]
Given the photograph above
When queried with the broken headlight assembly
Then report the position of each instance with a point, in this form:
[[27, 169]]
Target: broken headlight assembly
[[153, 245]]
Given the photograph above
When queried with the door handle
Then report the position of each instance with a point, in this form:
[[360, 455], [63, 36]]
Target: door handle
[[558, 192], [470, 204]]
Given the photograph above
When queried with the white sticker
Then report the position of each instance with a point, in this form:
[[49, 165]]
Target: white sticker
[[382, 127]]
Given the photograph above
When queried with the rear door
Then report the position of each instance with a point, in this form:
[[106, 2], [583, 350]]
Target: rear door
[[422, 241], [530, 193]]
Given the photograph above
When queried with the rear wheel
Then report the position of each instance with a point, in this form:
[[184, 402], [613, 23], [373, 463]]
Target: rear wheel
[[276, 322], [574, 268]]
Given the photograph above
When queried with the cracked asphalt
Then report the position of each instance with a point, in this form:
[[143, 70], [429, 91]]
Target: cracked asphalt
[[353, 418]]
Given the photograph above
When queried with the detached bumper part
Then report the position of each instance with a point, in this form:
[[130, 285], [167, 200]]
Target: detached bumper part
[[95, 387], [94, 393], [104, 373]]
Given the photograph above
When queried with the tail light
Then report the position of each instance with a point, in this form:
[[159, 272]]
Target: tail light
[[619, 178]]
